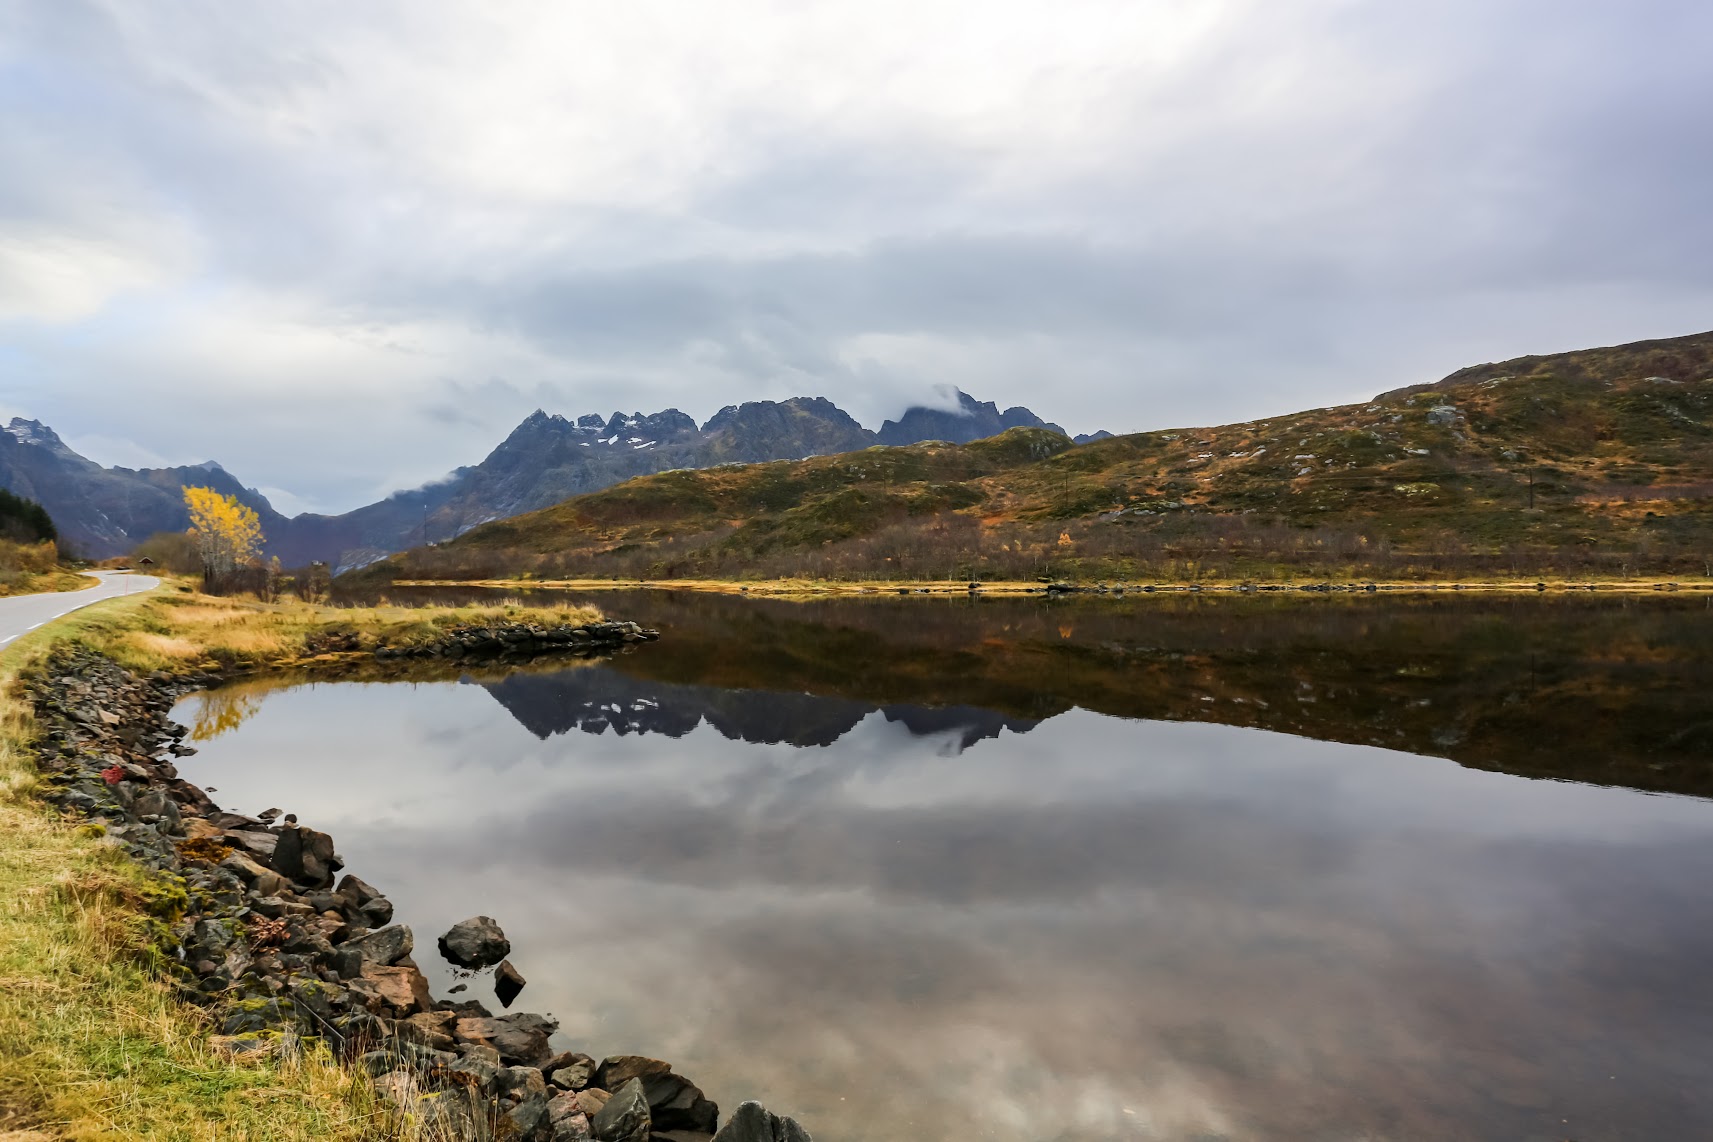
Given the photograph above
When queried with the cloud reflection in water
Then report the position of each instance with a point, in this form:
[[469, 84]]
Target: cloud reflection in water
[[899, 923]]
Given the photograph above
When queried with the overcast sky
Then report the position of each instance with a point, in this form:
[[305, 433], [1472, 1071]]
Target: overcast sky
[[343, 247]]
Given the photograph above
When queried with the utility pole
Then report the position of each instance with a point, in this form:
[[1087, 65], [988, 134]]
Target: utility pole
[[425, 521]]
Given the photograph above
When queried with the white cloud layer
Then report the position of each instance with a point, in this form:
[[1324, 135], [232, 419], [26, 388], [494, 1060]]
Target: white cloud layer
[[342, 248]]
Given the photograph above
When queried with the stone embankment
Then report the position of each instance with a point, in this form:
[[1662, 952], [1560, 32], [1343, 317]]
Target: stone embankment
[[267, 933], [517, 640]]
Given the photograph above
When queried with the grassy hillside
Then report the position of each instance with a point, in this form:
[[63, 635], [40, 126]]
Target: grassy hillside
[[1593, 462]]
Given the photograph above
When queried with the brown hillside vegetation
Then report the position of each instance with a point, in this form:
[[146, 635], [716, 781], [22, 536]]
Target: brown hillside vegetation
[[1597, 462]]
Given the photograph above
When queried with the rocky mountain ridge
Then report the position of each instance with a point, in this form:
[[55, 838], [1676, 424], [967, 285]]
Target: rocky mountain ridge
[[547, 458], [105, 511]]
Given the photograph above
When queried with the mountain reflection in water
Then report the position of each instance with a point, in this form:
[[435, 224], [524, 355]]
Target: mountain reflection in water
[[872, 865], [596, 701]]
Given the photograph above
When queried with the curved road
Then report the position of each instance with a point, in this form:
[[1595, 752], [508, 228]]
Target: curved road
[[21, 614]]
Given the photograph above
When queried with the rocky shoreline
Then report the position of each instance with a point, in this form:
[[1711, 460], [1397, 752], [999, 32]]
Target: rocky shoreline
[[264, 931]]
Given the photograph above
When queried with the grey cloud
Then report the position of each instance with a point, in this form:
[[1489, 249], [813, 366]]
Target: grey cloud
[[1310, 206]]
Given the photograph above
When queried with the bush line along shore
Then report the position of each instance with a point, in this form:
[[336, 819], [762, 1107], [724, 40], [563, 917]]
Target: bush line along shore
[[262, 968]]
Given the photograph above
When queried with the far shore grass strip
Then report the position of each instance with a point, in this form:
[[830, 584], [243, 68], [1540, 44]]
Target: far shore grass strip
[[806, 587]]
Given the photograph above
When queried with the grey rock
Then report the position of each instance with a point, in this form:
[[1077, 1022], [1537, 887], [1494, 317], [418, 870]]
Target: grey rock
[[266, 881], [521, 1082], [156, 803], [258, 843], [377, 913], [484, 1074], [529, 1116], [288, 854], [385, 947], [480, 1051], [566, 1121], [674, 1102], [575, 1074], [475, 943], [625, 1118], [304, 856], [362, 904], [752, 1123], [520, 1039], [346, 962]]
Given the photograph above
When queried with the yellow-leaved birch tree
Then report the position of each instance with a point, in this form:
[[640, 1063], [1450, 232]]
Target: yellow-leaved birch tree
[[228, 534]]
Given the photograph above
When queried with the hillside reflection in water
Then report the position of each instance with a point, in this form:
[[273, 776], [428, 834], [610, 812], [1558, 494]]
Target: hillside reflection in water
[[1016, 920]]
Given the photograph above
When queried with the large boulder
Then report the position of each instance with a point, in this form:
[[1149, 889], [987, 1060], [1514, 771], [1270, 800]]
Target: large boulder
[[572, 1071], [674, 1102], [475, 943], [363, 904], [526, 1118], [625, 1118], [384, 947], [304, 856], [520, 1039], [753, 1123], [398, 992]]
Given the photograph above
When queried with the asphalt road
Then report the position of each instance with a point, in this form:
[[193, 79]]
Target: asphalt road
[[21, 614]]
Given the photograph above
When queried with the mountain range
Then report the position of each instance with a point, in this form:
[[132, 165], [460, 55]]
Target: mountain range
[[101, 512], [1598, 461]]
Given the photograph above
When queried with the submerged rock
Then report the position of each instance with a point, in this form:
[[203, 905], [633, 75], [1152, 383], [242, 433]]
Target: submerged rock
[[475, 943]]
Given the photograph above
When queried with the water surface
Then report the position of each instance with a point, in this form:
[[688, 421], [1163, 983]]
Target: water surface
[[1100, 870]]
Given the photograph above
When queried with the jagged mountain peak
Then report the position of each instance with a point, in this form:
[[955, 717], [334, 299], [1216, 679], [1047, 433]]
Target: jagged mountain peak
[[970, 420], [37, 433], [546, 458]]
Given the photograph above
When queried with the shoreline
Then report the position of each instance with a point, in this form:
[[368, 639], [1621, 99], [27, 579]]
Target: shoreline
[[810, 588], [248, 923]]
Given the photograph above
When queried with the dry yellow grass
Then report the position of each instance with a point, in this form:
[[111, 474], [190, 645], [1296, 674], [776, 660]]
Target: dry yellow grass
[[36, 582], [163, 645], [93, 1042], [175, 627]]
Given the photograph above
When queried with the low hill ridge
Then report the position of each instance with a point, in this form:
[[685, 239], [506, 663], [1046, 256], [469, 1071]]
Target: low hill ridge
[[1600, 459]]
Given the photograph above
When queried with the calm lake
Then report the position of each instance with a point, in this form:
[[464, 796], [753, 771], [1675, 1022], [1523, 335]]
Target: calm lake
[[1043, 871]]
